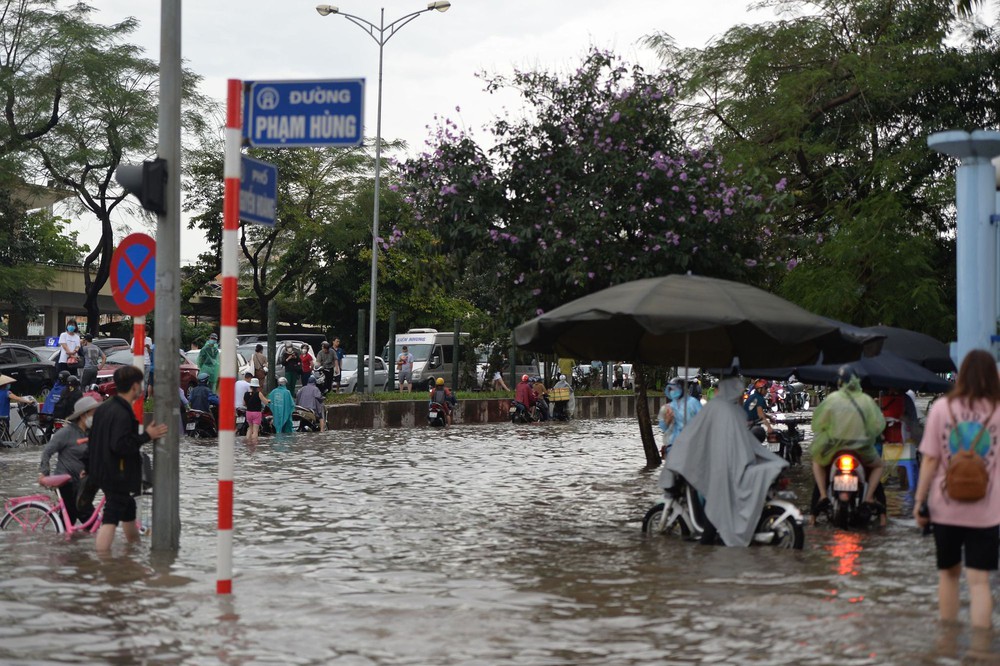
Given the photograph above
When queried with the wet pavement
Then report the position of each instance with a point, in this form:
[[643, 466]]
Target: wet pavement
[[482, 544]]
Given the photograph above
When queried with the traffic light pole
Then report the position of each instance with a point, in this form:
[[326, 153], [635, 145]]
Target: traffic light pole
[[167, 333]]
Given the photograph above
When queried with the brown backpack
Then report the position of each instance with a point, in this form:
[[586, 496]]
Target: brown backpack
[[967, 479]]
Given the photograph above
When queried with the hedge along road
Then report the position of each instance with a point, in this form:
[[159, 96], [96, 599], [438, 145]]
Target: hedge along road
[[477, 544]]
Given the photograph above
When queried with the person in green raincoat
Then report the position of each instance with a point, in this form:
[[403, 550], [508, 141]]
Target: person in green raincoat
[[282, 405], [848, 420], [208, 361]]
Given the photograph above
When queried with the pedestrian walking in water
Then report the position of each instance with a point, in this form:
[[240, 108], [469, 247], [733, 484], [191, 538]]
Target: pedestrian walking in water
[[961, 437]]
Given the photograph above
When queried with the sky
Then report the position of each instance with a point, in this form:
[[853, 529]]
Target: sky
[[430, 65]]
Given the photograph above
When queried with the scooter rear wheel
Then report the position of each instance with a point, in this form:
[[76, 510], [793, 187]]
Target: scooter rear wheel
[[788, 532]]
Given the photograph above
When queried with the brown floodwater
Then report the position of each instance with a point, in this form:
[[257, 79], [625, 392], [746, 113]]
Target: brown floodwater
[[487, 544]]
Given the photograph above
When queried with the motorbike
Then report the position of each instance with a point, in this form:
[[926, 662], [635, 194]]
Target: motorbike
[[776, 398], [797, 397], [521, 414], [787, 444], [266, 422], [680, 513], [200, 424], [307, 419], [846, 486], [436, 415]]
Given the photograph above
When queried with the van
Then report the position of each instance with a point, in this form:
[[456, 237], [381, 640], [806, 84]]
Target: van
[[433, 354]]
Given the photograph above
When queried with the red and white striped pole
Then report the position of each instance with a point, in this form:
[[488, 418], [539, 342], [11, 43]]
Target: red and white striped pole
[[139, 361], [227, 336]]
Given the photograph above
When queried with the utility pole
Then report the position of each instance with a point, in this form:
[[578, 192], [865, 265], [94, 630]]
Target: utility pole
[[167, 336]]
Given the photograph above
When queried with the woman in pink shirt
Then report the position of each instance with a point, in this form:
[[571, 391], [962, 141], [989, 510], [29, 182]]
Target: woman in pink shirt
[[957, 422]]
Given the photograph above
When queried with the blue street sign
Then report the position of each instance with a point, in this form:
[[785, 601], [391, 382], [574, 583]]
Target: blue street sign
[[258, 191], [286, 114]]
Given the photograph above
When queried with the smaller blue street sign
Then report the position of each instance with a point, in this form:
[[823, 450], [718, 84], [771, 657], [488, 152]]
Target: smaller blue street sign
[[295, 114], [52, 342], [258, 191]]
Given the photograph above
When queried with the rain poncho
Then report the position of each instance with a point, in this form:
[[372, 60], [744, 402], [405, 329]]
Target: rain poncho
[[848, 420], [208, 362], [571, 403], [723, 461], [282, 406], [678, 406]]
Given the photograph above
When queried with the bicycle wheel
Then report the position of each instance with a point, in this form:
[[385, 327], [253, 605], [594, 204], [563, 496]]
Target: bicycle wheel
[[31, 517], [35, 435]]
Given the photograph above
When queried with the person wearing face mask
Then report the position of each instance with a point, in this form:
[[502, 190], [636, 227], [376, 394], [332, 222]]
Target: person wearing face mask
[[677, 413], [69, 348], [70, 444]]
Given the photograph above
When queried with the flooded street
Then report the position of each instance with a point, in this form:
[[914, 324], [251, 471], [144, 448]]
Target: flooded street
[[483, 544]]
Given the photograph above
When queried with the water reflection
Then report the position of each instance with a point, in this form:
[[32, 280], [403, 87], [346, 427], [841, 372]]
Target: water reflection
[[478, 544]]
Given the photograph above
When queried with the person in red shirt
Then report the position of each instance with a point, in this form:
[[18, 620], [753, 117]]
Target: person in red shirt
[[524, 393], [307, 365]]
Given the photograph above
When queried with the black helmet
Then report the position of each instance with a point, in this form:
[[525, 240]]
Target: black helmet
[[63, 376], [73, 380]]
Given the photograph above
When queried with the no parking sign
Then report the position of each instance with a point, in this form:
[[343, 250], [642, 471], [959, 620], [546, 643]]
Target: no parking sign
[[133, 275]]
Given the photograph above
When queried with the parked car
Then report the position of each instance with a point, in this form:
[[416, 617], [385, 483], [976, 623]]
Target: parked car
[[106, 386], [110, 344], [46, 353], [34, 374], [242, 361], [349, 374]]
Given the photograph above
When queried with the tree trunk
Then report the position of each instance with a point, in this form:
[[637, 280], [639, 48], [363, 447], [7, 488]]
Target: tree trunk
[[102, 256], [645, 423]]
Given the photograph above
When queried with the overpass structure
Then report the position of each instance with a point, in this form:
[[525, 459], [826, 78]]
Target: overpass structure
[[64, 297]]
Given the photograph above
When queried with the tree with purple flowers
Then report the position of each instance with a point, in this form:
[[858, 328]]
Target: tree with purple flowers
[[593, 186]]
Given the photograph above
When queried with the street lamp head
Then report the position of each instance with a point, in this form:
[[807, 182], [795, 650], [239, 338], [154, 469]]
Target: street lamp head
[[440, 5], [326, 10]]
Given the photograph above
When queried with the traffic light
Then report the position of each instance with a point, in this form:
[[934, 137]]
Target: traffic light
[[147, 181]]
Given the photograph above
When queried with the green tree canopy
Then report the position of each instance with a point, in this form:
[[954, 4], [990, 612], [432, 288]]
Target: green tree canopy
[[837, 100], [593, 186]]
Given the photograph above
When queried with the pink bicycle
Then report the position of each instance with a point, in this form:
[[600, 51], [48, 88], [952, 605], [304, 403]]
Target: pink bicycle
[[47, 513]]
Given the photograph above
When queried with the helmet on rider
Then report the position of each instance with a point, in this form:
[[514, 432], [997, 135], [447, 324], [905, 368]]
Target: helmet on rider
[[439, 381], [202, 377], [760, 383], [63, 376], [524, 378], [844, 375], [93, 388], [73, 380], [674, 388]]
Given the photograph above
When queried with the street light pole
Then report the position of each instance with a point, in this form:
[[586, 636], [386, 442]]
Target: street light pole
[[381, 33]]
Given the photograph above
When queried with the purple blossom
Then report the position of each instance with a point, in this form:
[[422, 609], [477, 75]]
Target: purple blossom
[[792, 263], [751, 263], [780, 185]]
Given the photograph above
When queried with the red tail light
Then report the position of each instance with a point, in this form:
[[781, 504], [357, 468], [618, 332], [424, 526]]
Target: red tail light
[[846, 463], [783, 483]]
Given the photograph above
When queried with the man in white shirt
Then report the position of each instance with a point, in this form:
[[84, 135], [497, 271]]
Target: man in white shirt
[[242, 388], [147, 347], [405, 366]]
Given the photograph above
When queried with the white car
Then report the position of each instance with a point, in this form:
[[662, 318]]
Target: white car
[[349, 374]]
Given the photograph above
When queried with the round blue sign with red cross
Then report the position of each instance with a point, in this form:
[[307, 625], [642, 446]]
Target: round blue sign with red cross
[[133, 274]]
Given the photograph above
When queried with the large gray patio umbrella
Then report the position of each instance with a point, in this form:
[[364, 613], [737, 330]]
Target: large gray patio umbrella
[[687, 319]]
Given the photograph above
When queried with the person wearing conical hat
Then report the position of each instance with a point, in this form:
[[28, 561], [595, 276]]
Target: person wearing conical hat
[[6, 395]]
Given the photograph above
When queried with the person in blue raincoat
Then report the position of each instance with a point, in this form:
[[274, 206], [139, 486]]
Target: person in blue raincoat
[[678, 413], [282, 405]]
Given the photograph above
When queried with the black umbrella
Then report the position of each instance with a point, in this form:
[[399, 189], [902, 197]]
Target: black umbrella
[[917, 347], [884, 371], [686, 319]]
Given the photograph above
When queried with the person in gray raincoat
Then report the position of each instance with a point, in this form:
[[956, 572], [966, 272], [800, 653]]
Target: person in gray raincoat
[[720, 458]]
